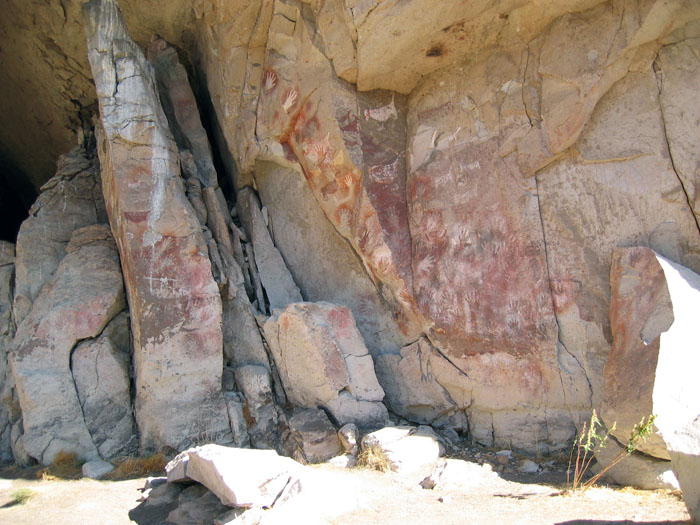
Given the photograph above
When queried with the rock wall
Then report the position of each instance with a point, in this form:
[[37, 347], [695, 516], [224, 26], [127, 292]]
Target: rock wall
[[455, 187]]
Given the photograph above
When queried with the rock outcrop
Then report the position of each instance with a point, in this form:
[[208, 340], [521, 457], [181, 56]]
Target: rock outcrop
[[653, 347], [7, 259], [100, 370], [490, 205], [71, 199], [323, 361], [174, 302], [85, 293]]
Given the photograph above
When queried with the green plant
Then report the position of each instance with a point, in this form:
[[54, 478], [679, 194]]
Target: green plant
[[593, 438], [21, 496]]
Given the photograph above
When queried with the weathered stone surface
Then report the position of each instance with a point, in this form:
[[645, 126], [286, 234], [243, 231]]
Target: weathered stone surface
[[448, 234], [174, 302], [424, 387], [85, 293], [312, 436], [618, 190], [408, 450], [348, 434], [7, 332], [236, 416], [322, 360], [636, 470], [181, 108], [68, 201], [177, 467], [96, 469], [457, 474], [684, 446], [338, 276], [162, 494], [652, 349], [239, 477], [201, 510], [100, 370], [308, 116], [47, 85], [679, 73], [344, 461], [279, 284]]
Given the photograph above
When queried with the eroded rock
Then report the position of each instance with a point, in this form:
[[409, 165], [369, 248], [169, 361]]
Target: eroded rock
[[85, 293], [312, 436], [174, 302], [8, 414], [322, 360], [71, 199], [239, 477], [100, 370]]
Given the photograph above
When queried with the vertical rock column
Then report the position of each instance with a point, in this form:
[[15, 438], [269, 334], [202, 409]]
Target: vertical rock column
[[174, 301], [7, 272], [244, 354]]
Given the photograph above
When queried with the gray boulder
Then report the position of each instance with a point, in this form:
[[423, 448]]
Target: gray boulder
[[239, 477]]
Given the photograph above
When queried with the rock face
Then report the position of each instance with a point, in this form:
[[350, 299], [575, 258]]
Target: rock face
[[275, 277], [312, 438], [448, 194], [649, 370], [85, 293], [424, 386], [174, 302], [7, 259], [685, 457], [323, 361], [71, 199], [100, 370]]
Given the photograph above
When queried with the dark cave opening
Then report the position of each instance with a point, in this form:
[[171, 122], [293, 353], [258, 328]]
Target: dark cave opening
[[224, 163], [16, 197]]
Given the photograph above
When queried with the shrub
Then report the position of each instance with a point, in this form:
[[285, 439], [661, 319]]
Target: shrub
[[592, 439]]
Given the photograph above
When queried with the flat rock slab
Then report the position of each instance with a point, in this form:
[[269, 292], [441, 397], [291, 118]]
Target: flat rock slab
[[239, 477]]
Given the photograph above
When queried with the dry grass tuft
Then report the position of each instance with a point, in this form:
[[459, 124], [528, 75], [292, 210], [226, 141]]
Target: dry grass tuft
[[66, 465], [373, 458], [130, 468]]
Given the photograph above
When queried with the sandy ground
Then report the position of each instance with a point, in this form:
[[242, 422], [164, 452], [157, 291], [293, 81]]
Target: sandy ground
[[360, 496]]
